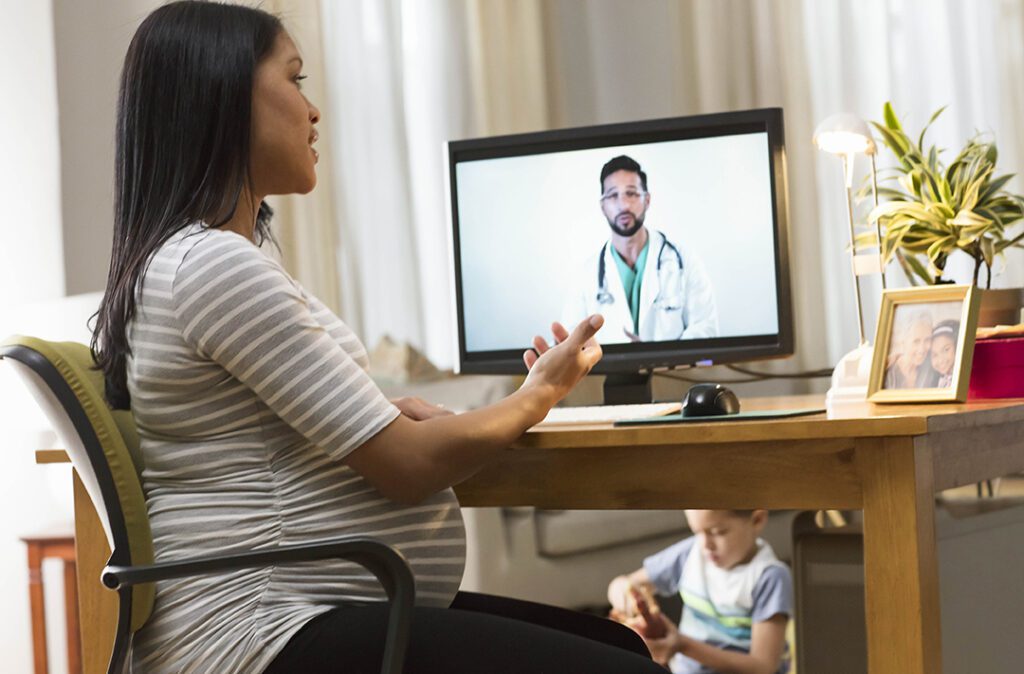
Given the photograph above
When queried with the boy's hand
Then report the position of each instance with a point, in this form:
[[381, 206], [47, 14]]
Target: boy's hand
[[644, 616], [649, 614], [666, 645]]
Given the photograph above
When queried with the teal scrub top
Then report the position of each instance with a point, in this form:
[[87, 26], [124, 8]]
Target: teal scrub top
[[631, 281]]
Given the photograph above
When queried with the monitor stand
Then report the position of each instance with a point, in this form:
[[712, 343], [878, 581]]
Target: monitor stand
[[627, 389]]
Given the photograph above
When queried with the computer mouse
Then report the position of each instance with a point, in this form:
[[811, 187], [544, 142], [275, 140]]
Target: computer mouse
[[709, 400]]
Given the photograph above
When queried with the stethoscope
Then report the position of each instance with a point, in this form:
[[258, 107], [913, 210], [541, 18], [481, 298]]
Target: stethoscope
[[605, 297]]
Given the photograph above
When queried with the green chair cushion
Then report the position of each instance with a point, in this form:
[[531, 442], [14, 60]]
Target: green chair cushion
[[120, 442]]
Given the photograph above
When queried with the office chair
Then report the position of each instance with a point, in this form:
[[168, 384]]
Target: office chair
[[104, 448]]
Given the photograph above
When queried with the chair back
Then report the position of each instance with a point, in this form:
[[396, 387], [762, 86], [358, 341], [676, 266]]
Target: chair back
[[103, 445]]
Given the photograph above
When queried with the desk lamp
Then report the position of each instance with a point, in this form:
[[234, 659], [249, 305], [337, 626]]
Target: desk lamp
[[847, 135]]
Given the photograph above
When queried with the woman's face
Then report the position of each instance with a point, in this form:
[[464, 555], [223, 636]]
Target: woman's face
[[918, 342], [283, 160]]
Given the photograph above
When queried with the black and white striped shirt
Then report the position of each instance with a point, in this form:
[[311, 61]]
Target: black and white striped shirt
[[248, 394]]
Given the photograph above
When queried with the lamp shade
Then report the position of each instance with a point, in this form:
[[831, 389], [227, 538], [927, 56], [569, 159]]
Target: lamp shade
[[844, 133]]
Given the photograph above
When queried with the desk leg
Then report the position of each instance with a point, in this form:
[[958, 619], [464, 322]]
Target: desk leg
[[38, 605], [71, 617], [97, 605], [900, 564]]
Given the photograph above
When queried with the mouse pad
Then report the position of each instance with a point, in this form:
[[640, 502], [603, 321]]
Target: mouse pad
[[758, 414]]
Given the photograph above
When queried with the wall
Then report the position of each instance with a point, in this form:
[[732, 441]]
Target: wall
[[56, 172], [91, 39], [30, 269]]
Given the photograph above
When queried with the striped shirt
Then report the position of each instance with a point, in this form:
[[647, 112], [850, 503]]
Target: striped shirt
[[248, 394]]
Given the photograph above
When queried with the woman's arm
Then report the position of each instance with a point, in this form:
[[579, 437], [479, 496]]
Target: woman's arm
[[768, 640], [408, 460], [419, 409], [238, 308]]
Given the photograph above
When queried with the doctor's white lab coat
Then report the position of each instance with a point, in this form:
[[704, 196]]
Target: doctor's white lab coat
[[676, 302]]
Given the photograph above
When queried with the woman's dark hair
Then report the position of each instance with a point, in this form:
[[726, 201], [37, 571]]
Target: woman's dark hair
[[182, 148]]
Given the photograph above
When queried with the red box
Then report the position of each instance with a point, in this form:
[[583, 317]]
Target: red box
[[998, 369]]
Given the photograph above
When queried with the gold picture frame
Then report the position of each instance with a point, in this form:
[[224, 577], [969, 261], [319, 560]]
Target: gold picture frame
[[924, 344]]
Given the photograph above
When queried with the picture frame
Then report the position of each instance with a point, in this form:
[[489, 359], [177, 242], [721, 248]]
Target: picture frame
[[924, 344]]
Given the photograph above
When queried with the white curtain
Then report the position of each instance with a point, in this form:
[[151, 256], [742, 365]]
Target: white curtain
[[404, 76], [305, 226]]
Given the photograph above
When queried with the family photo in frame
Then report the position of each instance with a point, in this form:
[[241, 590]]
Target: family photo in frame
[[924, 344]]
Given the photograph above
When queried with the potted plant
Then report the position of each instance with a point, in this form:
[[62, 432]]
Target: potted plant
[[934, 209]]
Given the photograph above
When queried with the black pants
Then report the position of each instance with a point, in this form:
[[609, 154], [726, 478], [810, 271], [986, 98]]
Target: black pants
[[479, 633]]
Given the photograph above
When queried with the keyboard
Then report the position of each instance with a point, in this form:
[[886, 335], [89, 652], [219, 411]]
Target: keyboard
[[598, 414]]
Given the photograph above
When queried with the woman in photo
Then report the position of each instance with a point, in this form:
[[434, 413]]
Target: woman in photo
[[909, 361]]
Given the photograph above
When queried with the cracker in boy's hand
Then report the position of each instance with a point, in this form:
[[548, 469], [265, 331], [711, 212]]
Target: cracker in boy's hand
[[650, 625], [642, 615]]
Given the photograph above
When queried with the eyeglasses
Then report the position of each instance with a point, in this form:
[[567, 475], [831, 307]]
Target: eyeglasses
[[629, 196]]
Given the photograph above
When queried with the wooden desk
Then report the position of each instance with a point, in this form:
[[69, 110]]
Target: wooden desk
[[41, 547], [97, 606], [887, 460]]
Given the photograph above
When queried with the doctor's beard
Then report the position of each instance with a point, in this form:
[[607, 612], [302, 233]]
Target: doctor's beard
[[638, 222]]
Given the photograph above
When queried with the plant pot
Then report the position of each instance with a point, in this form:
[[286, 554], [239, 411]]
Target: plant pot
[[1001, 306]]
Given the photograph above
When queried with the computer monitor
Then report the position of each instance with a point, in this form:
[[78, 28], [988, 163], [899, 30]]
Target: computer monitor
[[674, 229]]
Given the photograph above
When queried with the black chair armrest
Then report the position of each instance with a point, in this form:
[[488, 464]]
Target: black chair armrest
[[384, 561]]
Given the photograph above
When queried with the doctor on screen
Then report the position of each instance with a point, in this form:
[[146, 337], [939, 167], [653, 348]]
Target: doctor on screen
[[648, 288]]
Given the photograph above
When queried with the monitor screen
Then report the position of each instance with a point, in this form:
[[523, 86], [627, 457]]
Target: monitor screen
[[674, 230]]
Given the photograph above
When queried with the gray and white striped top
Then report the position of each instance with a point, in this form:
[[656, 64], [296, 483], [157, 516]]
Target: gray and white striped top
[[248, 394]]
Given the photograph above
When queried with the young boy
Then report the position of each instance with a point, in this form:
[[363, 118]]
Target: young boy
[[737, 598]]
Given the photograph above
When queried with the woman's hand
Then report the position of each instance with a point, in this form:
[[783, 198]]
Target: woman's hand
[[408, 462], [560, 367], [419, 409]]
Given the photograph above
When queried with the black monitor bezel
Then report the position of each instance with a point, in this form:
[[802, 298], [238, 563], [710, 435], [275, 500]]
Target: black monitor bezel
[[625, 358]]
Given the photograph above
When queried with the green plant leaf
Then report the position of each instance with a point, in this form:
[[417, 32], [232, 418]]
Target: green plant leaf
[[967, 218], [1007, 243], [890, 193], [908, 209], [890, 117], [911, 183], [993, 186], [988, 251], [940, 210], [935, 115], [867, 239], [898, 144], [933, 210], [934, 192], [920, 270], [970, 198], [945, 192], [891, 244]]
